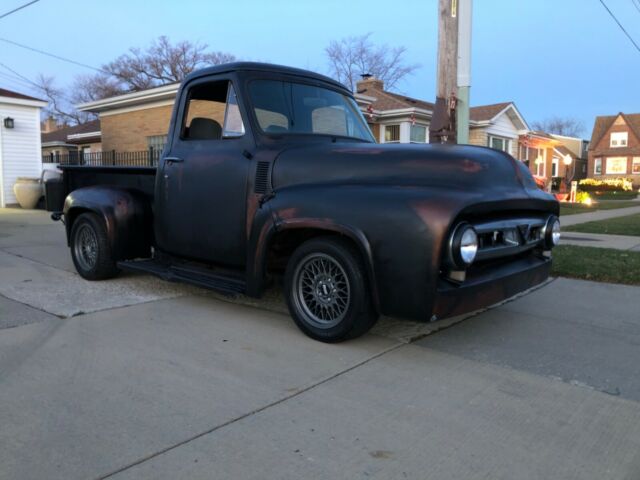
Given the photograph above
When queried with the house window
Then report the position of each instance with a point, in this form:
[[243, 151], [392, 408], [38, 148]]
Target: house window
[[540, 161], [156, 142], [554, 166], [619, 139], [617, 166], [635, 166], [500, 143], [391, 133], [418, 134], [597, 166], [524, 152]]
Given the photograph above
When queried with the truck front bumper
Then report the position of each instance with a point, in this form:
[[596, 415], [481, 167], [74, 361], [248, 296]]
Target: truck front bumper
[[489, 286]]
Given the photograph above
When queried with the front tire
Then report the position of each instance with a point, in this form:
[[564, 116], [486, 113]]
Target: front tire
[[90, 248], [327, 291]]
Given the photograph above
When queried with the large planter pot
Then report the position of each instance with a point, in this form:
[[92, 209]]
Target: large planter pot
[[28, 191]]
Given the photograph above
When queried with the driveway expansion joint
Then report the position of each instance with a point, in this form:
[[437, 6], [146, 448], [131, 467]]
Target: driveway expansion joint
[[250, 414]]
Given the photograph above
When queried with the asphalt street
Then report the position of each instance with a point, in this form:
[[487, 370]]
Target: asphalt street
[[136, 378]]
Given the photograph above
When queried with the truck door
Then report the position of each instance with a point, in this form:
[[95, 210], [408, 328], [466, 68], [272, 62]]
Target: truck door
[[201, 190]]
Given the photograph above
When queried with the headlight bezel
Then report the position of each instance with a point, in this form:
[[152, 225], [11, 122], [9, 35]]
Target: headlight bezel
[[457, 242], [551, 232]]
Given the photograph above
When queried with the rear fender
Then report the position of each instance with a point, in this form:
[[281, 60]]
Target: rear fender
[[126, 213]]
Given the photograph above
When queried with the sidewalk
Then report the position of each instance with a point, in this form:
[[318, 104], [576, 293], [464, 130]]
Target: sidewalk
[[597, 215], [617, 242]]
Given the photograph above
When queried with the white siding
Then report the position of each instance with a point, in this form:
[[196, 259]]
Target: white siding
[[504, 127], [21, 151]]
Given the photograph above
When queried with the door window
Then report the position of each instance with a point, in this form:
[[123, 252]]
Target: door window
[[212, 112]]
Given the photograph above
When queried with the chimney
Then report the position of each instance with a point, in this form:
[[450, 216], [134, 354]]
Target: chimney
[[368, 83], [49, 125]]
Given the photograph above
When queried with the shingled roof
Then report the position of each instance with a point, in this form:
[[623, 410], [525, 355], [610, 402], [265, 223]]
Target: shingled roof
[[487, 112], [62, 134], [20, 96]]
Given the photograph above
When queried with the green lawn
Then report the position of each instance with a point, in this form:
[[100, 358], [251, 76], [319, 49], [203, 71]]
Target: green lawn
[[597, 264], [629, 225], [572, 208]]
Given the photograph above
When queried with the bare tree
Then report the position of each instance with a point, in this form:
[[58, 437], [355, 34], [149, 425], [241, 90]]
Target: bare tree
[[87, 88], [60, 106], [353, 56], [566, 126], [161, 63]]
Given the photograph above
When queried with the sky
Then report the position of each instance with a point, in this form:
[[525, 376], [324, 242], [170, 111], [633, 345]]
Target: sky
[[563, 58]]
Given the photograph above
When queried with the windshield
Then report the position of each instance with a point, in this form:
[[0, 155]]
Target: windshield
[[295, 108]]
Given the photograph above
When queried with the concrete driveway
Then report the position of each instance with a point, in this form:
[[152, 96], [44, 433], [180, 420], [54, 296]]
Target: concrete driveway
[[136, 378]]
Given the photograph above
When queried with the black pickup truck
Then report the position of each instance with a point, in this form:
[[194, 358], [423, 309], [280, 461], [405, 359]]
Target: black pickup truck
[[271, 172]]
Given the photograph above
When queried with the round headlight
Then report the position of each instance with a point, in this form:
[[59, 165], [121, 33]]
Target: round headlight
[[464, 245], [552, 232], [469, 245]]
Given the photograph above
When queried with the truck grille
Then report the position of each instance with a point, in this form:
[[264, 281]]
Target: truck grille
[[502, 238]]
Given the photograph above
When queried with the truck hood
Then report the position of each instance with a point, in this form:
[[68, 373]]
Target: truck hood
[[443, 166]]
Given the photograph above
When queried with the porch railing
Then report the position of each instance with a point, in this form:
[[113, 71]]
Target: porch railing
[[111, 158]]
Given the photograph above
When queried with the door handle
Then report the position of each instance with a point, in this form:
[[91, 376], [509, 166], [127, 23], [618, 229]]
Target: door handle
[[173, 159]]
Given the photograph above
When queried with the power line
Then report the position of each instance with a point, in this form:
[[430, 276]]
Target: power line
[[636, 4], [53, 55], [620, 25], [33, 84], [19, 8], [22, 77]]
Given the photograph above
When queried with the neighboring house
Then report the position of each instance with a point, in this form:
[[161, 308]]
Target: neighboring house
[[137, 121], [393, 118], [578, 149], [553, 156], [401, 119], [19, 141], [614, 150], [59, 142]]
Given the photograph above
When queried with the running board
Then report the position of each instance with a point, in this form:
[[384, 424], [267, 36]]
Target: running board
[[195, 276]]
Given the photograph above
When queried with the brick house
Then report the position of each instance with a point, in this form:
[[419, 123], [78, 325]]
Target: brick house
[[59, 141], [553, 156], [615, 147], [135, 121]]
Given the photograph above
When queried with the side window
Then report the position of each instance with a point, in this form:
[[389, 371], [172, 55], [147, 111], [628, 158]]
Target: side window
[[212, 112]]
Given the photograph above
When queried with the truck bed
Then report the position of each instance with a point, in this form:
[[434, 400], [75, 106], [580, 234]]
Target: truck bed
[[79, 176]]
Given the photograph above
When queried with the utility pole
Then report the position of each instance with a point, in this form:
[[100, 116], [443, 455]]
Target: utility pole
[[450, 121]]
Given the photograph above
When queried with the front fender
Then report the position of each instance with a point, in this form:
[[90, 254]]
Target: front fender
[[126, 213], [401, 230]]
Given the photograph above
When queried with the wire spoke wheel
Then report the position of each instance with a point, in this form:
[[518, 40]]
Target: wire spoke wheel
[[86, 247], [321, 290]]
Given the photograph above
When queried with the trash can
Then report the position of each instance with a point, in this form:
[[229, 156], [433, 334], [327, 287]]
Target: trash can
[[54, 194]]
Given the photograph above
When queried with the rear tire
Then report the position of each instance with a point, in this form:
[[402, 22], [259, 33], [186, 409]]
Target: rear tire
[[90, 249], [327, 291]]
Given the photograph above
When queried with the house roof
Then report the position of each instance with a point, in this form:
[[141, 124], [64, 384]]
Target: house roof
[[385, 100], [564, 151], [84, 131], [603, 123], [19, 96], [484, 113]]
